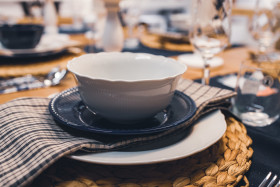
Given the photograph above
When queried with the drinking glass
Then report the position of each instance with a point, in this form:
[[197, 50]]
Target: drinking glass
[[211, 30], [258, 93], [265, 28], [96, 24], [130, 13]]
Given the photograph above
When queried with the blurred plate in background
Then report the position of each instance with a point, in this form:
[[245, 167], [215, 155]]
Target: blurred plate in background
[[49, 45]]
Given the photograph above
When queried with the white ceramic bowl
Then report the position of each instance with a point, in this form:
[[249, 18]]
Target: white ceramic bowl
[[126, 87]]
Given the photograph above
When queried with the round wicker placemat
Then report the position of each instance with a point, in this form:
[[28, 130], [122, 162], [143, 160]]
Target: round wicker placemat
[[222, 164], [165, 42], [9, 68]]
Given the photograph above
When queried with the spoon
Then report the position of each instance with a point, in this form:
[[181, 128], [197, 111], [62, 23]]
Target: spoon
[[28, 78], [56, 78], [53, 78]]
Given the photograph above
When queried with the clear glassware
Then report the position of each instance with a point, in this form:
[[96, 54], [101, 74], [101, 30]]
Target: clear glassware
[[112, 39], [130, 10], [265, 28], [96, 23], [50, 17], [211, 30], [257, 102]]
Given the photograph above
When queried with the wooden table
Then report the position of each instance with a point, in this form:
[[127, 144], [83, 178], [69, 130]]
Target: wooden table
[[232, 59]]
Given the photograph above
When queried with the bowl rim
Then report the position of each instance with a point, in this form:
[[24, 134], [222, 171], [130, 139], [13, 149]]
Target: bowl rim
[[180, 72]]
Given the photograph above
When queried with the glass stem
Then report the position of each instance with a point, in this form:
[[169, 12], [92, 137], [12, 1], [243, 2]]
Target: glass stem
[[91, 44], [206, 72], [130, 31]]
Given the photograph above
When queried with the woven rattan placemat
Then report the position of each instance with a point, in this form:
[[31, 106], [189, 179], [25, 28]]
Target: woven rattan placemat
[[163, 42], [222, 164], [10, 68]]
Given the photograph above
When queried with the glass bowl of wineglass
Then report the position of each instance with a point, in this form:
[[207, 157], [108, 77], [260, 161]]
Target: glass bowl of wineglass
[[130, 12], [211, 30], [265, 29]]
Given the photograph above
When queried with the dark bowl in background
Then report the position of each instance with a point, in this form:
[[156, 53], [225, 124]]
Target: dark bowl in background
[[20, 36]]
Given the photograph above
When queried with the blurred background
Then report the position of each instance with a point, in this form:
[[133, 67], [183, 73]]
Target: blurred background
[[73, 27], [159, 16]]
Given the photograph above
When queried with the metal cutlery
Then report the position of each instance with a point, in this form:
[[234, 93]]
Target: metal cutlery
[[31, 82], [17, 81], [269, 182]]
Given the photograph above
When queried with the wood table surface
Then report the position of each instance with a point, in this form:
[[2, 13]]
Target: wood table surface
[[232, 59]]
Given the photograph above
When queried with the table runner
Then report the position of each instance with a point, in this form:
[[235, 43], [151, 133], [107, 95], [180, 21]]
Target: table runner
[[31, 140]]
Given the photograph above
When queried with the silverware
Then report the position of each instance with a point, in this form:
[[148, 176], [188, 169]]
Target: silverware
[[31, 82], [27, 79], [17, 81], [269, 182], [55, 78]]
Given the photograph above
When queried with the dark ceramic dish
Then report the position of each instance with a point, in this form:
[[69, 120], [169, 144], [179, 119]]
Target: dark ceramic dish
[[20, 36], [68, 109]]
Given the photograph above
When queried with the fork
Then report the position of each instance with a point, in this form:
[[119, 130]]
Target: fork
[[271, 183]]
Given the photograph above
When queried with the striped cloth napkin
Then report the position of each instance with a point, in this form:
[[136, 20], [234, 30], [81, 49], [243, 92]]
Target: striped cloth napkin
[[31, 140]]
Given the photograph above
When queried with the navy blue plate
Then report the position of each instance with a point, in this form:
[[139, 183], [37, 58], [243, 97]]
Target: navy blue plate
[[68, 109]]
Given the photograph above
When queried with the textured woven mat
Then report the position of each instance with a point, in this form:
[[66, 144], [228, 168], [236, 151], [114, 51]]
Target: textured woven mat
[[165, 42], [40, 67], [272, 69], [222, 164]]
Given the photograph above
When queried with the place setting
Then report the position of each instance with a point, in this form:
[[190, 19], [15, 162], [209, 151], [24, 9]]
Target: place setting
[[147, 96], [127, 109], [30, 41], [30, 58], [116, 115], [69, 110]]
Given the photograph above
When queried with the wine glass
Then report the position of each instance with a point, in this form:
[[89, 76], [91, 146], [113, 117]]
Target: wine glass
[[95, 22], [211, 30], [131, 13], [265, 28]]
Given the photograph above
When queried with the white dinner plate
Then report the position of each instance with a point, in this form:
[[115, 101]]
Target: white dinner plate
[[195, 61], [201, 135]]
